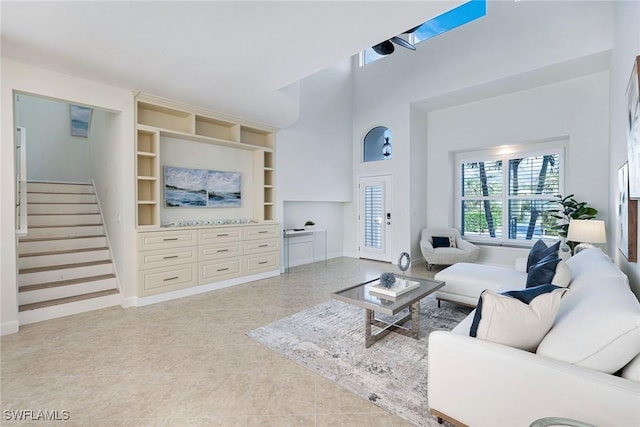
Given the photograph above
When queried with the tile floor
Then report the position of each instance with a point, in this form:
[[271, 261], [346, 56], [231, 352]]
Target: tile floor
[[186, 361]]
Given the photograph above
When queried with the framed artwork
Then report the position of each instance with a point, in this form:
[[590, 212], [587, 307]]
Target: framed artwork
[[633, 130], [80, 120], [185, 187], [627, 217]]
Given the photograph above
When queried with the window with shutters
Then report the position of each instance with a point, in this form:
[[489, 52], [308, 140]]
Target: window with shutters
[[505, 195]]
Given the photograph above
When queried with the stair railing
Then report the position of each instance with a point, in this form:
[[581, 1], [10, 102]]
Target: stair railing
[[21, 181]]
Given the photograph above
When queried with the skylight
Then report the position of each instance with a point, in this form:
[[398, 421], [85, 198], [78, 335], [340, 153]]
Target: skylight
[[463, 14]]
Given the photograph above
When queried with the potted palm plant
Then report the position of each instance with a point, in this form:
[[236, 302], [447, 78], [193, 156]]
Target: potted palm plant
[[569, 208]]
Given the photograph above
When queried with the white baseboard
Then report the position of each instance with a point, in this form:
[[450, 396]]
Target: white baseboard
[[9, 327]]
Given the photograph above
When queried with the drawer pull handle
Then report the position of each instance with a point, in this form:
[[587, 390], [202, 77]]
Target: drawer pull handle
[[222, 235], [264, 262], [263, 246], [223, 250], [223, 269], [169, 257], [263, 232], [166, 239], [170, 278]]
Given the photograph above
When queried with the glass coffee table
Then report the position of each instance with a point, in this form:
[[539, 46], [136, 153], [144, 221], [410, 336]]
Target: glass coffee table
[[362, 296]]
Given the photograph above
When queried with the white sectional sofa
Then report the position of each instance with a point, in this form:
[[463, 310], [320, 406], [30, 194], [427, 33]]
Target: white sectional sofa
[[586, 368]]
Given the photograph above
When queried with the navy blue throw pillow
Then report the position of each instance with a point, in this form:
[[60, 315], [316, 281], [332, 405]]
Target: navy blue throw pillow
[[441, 242], [540, 250], [529, 294], [543, 272]]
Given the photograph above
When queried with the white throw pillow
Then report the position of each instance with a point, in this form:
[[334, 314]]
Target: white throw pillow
[[632, 370], [563, 275], [509, 321]]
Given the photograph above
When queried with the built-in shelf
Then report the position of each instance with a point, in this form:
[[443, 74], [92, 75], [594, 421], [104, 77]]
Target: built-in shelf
[[159, 118], [147, 174]]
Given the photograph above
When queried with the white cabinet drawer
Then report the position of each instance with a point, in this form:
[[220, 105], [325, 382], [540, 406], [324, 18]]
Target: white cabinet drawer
[[166, 257], [168, 278], [167, 239], [261, 232], [258, 263], [219, 235], [260, 246], [219, 270], [222, 250]]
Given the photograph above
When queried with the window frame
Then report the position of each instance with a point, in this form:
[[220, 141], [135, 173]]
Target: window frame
[[556, 146]]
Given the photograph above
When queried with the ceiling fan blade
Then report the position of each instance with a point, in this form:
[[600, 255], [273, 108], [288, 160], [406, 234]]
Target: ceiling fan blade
[[402, 42], [384, 48], [409, 31]]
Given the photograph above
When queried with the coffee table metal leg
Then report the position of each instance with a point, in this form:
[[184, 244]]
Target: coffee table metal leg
[[368, 321], [415, 319]]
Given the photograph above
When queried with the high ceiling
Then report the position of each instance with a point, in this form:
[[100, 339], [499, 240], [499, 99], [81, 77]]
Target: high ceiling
[[229, 56]]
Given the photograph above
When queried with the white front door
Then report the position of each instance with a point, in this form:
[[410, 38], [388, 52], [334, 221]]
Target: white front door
[[374, 217]]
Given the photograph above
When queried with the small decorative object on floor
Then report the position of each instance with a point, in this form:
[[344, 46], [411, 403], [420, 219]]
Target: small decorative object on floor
[[404, 261], [387, 279]]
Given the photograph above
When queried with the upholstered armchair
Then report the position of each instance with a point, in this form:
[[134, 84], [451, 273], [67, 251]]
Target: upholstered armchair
[[445, 246]]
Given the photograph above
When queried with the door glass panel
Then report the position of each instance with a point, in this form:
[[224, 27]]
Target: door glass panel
[[373, 216]]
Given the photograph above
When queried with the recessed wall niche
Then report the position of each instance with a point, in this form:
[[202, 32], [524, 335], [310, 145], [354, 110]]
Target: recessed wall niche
[[377, 144], [189, 154]]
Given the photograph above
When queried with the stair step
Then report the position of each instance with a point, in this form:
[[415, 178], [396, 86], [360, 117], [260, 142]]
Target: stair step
[[42, 231], [63, 266], [29, 288], [66, 288], [43, 304], [69, 251], [29, 246], [42, 259], [48, 239], [64, 219], [58, 187], [67, 309], [61, 208], [33, 276], [61, 197]]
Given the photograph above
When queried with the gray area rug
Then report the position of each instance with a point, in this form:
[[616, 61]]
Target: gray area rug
[[329, 339]]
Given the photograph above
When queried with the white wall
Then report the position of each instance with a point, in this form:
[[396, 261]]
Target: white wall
[[50, 146], [418, 179], [18, 77], [109, 174], [313, 163], [492, 56], [576, 108], [314, 154], [626, 48]]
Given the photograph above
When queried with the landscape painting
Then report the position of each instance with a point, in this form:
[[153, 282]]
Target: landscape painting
[[224, 189], [80, 119], [185, 187]]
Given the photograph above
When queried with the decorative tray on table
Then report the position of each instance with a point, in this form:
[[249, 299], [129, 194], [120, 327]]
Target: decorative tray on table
[[399, 287]]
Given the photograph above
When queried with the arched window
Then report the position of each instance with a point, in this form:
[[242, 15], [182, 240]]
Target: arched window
[[377, 144]]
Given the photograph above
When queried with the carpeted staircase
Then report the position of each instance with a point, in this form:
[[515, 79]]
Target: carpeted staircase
[[64, 261]]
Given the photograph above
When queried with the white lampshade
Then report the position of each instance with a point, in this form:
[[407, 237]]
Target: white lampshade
[[586, 231]]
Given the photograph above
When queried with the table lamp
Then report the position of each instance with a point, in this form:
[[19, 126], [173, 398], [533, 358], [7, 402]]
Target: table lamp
[[586, 232]]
